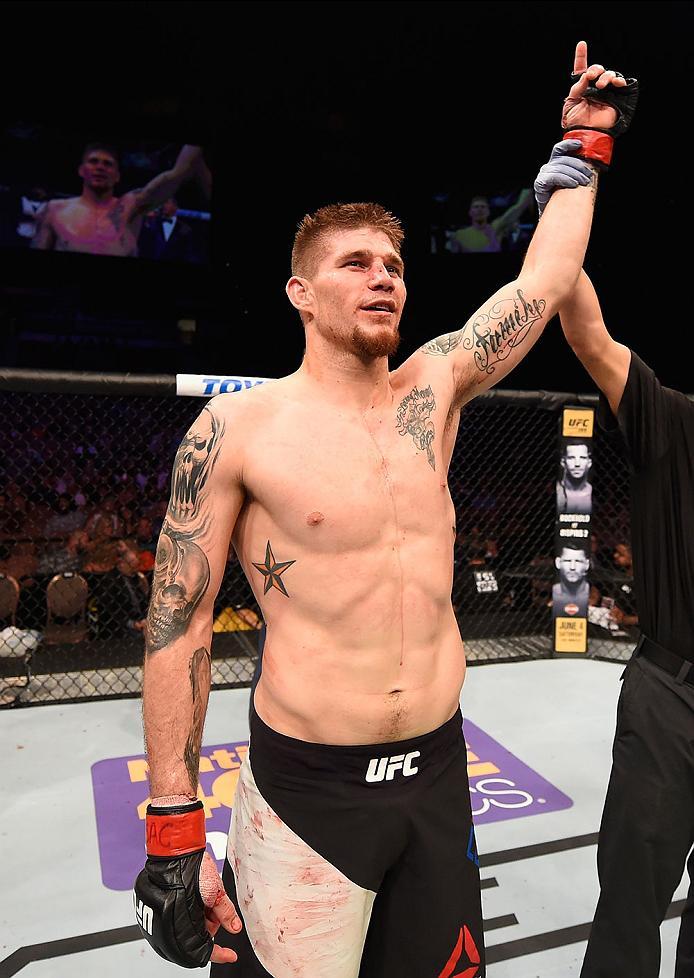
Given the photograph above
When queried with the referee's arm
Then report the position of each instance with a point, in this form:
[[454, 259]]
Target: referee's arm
[[606, 361]]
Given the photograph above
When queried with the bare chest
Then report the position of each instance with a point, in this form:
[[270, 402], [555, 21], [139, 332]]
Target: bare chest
[[96, 230], [346, 483]]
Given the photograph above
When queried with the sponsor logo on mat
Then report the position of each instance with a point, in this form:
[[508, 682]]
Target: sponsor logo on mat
[[501, 785]]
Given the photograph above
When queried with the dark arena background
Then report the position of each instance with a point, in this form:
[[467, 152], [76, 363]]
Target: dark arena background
[[421, 107]]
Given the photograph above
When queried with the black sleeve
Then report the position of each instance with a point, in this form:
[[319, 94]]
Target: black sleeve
[[645, 415]]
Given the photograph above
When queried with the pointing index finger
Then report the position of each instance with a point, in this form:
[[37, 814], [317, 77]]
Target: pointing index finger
[[581, 58]]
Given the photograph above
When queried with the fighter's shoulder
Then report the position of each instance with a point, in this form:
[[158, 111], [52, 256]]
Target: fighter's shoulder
[[58, 205], [249, 406]]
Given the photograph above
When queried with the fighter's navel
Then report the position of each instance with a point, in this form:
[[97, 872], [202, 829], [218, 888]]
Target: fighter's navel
[[313, 519]]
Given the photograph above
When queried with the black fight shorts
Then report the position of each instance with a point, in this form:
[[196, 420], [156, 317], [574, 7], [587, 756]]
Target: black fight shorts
[[354, 862]]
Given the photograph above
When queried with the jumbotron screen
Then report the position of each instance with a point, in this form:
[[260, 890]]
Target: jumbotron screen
[[138, 199], [465, 222]]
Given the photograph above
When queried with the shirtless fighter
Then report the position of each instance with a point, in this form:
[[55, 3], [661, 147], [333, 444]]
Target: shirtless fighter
[[351, 850], [98, 222]]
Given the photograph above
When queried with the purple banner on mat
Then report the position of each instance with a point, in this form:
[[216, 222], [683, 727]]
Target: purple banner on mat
[[501, 787]]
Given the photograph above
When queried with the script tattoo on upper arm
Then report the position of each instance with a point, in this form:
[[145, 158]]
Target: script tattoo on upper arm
[[200, 671], [413, 417], [503, 328], [492, 335], [181, 569]]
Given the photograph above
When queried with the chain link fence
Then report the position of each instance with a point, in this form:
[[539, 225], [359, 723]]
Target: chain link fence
[[503, 481], [84, 486]]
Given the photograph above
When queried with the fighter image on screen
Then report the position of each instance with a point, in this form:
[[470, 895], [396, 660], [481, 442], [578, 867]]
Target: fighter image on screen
[[100, 223], [483, 235]]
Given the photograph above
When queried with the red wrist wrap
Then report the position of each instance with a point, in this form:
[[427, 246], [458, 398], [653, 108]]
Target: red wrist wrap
[[175, 834], [595, 145]]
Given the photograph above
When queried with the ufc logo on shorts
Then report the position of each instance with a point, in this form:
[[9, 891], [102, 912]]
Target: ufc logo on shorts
[[384, 768], [144, 914]]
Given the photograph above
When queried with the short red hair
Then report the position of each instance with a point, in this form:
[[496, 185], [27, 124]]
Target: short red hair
[[314, 228]]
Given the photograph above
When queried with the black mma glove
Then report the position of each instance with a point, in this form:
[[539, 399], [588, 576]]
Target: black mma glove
[[598, 143], [168, 906]]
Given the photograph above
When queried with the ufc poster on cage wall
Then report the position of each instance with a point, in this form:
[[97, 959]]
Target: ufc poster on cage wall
[[574, 490]]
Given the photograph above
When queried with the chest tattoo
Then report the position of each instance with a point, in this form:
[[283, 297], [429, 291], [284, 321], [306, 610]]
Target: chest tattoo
[[116, 216], [413, 418]]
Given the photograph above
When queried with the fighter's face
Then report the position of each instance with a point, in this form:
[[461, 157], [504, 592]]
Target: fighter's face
[[99, 171], [356, 295], [572, 565], [577, 461], [479, 211]]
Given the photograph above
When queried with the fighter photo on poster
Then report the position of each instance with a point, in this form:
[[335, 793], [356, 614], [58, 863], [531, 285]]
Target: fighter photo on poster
[[574, 487]]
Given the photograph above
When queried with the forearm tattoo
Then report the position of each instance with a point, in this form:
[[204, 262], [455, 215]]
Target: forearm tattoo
[[594, 183], [492, 335], [273, 570], [181, 577], [200, 677], [413, 417]]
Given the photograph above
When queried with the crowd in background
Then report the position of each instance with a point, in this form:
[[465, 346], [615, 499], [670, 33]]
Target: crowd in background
[[72, 508]]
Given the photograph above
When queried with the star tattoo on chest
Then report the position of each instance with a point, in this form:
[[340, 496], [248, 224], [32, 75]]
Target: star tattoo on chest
[[273, 570]]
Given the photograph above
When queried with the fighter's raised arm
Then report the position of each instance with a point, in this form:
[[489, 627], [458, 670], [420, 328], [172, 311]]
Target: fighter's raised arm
[[504, 329], [166, 184], [206, 497]]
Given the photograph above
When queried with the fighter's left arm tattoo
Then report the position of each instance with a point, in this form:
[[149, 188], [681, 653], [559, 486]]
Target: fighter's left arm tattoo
[[493, 334], [413, 417], [444, 344], [200, 671], [487, 341]]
